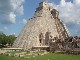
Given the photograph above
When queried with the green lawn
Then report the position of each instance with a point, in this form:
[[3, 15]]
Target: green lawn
[[50, 56]]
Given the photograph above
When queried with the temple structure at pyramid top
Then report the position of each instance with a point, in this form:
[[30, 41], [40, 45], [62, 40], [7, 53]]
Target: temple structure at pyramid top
[[45, 7], [41, 29]]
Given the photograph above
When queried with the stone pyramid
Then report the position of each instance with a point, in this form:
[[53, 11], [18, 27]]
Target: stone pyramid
[[42, 27]]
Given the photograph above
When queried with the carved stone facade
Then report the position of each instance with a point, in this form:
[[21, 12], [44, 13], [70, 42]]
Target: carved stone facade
[[41, 29]]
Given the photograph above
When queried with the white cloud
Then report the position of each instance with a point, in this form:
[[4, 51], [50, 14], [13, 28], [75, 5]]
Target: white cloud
[[20, 10], [12, 17], [4, 29], [24, 21], [12, 34], [77, 2], [7, 18], [17, 6], [69, 13], [62, 3], [9, 9]]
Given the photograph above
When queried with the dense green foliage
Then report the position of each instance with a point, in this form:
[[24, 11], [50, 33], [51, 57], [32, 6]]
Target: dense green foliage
[[6, 40], [49, 56]]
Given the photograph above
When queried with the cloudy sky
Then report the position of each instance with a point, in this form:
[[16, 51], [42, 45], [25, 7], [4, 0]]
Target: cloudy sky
[[15, 13]]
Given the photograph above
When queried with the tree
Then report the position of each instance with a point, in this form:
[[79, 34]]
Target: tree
[[2, 39], [6, 39], [11, 39]]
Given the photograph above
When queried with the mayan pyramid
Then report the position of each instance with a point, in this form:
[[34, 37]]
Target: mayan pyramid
[[43, 25]]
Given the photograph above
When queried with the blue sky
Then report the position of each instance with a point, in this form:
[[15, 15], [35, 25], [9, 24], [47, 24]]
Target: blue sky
[[15, 13]]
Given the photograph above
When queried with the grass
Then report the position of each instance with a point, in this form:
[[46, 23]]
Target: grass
[[50, 56]]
